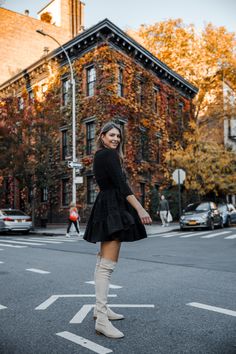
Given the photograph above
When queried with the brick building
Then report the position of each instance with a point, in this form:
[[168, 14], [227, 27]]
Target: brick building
[[20, 44], [117, 79]]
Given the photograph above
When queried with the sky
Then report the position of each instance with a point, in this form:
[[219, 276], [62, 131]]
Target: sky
[[132, 13]]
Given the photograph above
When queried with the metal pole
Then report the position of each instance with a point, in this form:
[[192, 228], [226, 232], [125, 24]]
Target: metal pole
[[72, 81], [180, 208]]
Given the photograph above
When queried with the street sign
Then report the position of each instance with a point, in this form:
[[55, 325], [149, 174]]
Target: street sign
[[179, 175], [72, 164], [78, 180]]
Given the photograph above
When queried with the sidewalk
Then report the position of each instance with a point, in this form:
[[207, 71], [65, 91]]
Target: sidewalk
[[60, 229]]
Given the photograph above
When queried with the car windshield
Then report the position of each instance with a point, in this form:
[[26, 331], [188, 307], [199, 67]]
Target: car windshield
[[12, 212], [197, 207], [222, 207]]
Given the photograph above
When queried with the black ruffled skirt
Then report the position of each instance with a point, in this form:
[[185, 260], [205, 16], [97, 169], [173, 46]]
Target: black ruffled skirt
[[113, 218]]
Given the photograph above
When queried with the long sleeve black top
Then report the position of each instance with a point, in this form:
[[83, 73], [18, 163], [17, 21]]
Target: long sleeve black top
[[108, 171]]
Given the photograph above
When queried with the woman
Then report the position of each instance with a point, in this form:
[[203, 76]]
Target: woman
[[73, 218], [117, 216]]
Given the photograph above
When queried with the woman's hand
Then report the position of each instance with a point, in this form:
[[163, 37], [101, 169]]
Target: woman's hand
[[144, 216]]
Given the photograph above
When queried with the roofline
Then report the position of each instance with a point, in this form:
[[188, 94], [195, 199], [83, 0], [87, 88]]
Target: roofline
[[105, 29], [45, 6]]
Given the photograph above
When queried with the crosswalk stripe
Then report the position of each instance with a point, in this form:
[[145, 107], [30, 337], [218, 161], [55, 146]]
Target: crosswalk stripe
[[195, 234], [40, 271], [15, 246], [23, 243], [216, 234], [230, 237], [36, 240]]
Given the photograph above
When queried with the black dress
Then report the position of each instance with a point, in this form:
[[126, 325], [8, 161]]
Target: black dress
[[112, 217]]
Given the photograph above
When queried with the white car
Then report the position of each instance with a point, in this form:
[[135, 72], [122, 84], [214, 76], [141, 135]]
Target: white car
[[15, 220]]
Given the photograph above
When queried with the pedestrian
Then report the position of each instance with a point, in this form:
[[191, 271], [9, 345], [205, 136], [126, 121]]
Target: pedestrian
[[116, 216], [163, 210], [73, 219]]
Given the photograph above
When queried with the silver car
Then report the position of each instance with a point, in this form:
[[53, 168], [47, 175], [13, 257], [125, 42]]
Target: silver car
[[228, 212], [15, 220], [199, 215]]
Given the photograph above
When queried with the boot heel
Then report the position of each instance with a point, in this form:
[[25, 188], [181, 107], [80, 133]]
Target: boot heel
[[99, 333]]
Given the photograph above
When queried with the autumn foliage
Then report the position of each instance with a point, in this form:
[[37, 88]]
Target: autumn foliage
[[206, 59]]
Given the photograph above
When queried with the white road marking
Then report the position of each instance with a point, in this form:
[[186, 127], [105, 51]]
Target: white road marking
[[23, 243], [65, 239], [96, 348], [36, 240], [5, 245], [216, 234], [81, 314], [53, 298], [1, 262], [195, 234], [85, 309], [213, 308], [171, 235], [2, 307], [230, 237], [38, 271], [111, 286], [1, 249]]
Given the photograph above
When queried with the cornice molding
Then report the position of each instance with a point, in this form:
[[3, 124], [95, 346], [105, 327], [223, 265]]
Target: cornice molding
[[106, 31]]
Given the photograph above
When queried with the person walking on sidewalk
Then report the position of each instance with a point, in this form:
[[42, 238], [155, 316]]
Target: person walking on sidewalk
[[163, 210], [116, 216], [73, 219]]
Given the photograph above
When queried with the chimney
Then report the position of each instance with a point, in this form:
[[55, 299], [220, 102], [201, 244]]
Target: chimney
[[26, 12]]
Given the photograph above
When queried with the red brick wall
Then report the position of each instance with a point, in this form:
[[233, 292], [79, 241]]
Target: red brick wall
[[21, 45]]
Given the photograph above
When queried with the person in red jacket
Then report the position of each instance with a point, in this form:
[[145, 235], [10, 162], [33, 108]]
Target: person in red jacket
[[73, 219]]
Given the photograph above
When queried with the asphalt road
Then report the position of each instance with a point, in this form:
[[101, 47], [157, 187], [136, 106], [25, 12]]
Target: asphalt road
[[177, 291]]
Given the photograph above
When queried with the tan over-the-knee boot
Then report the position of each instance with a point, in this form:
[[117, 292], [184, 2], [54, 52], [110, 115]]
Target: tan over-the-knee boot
[[102, 279], [112, 316]]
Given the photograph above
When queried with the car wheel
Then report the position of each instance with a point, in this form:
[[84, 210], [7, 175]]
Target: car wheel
[[211, 225], [228, 222], [221, 223]]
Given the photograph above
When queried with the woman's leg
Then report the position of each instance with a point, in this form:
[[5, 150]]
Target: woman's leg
[[76, 226], [109, 255], [68, 227]]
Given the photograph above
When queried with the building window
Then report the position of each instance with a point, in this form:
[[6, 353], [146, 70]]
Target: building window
[[90, 137], [144, 144], [158, 151], [20, 103], [31, 96], [140, 93], [91, 190], [64, 140], [142, 194], [65, 192], [91, 80], [65, 91], [180, 116], [156, 93], [120, 83], [44, 194]]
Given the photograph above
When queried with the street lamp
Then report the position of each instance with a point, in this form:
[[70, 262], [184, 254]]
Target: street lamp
[[72, 80]]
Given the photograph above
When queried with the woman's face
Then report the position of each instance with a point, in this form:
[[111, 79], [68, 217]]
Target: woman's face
[[112, 138]]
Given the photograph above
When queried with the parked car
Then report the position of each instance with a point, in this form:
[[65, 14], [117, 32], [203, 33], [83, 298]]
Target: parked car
[[228, 213], [15, 220], [202, 214]]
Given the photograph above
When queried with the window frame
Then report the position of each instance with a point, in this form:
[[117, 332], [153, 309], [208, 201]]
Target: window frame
[[65, 88], [64, 144], [90, 81], [91, 192], [90, 137], [120, 88]]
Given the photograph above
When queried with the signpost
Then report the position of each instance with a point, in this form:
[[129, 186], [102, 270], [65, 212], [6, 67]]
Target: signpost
[[179, 176]]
